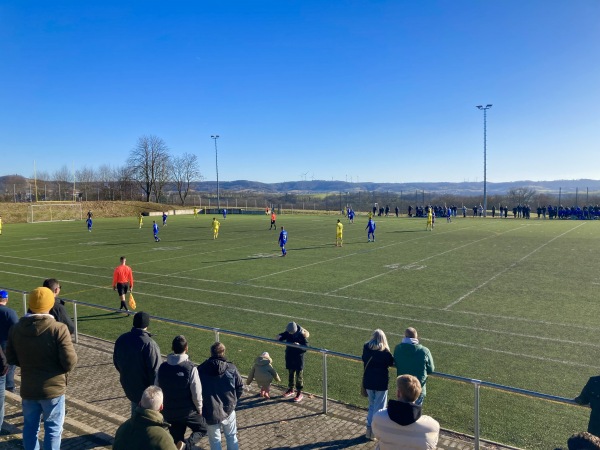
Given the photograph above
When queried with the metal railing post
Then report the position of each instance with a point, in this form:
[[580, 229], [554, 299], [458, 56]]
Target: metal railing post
[[324, 381], [75, 321], [216, 330], [477, 385], [24, 303]]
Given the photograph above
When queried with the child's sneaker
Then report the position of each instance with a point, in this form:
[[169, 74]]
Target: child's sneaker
[[288, 393], [298, 396], [267, 395]]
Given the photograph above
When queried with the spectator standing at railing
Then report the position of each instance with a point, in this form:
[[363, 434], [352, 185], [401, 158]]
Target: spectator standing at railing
[[137, 357], [264, 373], [590, 395], [377, 359], [8, 318], [178, 378], [123, 281], [222, 387], [414, 359], [58, 311], [43, 349], [401, 425], [294, 358]]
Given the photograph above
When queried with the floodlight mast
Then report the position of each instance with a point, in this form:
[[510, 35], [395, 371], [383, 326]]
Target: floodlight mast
[[484, 109], [215, 137]]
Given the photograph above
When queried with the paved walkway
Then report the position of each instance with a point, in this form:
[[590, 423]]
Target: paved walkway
[[96, 406]]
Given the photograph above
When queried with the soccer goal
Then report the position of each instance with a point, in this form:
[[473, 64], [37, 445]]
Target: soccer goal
[[54, 212]]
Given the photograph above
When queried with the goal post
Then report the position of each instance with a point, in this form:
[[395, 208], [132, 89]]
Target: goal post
[[54, 212]]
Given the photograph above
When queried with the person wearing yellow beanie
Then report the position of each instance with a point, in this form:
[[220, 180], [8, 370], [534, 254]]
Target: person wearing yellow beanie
[[43, 349], [41, 300]]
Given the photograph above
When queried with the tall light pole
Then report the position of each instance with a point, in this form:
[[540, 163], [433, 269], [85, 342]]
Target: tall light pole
[[215, 137], [484, 109]]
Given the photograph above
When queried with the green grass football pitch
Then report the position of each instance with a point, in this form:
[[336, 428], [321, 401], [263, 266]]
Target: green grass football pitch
[[508, 301]]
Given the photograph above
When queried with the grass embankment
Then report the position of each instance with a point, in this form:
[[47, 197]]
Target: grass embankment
[[17, 212]]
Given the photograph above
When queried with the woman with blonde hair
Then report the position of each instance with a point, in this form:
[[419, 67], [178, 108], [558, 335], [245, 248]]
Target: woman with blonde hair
[[377, 358]]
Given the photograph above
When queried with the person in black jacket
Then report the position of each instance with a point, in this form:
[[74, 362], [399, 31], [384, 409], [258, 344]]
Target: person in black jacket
[[58, 311], [294, 358], [222, 386], [377, 358], [136, 357], [178, 378]]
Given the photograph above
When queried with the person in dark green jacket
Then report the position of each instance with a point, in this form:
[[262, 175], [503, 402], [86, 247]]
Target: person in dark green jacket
[[411, 358], [147, 428]]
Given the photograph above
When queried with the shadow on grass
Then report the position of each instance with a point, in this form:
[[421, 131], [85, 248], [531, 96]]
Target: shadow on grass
[[110, 316]]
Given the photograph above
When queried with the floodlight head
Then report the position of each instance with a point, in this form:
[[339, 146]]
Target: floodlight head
[[215, 136], [479, 106], [488, 106]]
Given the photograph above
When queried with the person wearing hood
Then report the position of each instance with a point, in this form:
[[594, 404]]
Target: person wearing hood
[[146, 428], [43, 349], [222, 386], [264, 373], [178, 377], [401, 425], [294, 358]]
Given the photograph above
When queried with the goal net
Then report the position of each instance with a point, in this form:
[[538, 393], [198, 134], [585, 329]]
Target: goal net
[[54, 212]]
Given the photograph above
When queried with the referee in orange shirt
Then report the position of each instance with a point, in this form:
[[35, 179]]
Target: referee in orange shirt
[[123, 281]]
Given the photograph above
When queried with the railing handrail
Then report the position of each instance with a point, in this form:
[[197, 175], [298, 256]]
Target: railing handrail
[[217, 330]]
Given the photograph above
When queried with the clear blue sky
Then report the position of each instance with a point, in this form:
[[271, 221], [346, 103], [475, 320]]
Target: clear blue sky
[[360, 90]]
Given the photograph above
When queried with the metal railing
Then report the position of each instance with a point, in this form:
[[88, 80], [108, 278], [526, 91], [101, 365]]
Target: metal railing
[[477, 384]]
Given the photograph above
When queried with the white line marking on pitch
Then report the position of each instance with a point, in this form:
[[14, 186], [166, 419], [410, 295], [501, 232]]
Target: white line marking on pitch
[[506, 269], [445, 342], [541, 358], [362, 252], [418, 262], [333, 308]]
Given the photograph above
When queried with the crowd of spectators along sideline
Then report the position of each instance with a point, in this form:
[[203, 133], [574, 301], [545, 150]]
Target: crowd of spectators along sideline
[[586, 212], [167, 397]]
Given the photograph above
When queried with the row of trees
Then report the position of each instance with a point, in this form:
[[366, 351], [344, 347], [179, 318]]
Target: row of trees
[[152, 166], [149, 170]]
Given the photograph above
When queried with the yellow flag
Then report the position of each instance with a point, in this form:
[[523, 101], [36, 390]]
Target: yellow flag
[[132, 304]]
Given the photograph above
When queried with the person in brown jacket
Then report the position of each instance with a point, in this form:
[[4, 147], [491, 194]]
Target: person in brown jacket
[[43, 349]]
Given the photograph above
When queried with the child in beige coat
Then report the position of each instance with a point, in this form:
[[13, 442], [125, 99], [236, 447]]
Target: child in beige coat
[[264, 373]]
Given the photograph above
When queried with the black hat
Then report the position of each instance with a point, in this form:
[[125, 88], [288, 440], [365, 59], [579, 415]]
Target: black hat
[[141, 320]]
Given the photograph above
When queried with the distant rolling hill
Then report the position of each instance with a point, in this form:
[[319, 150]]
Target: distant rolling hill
[[464, 188]]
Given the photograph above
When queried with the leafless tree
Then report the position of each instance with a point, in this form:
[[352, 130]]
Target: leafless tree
[[184, 170], [521, 195], [125, 183], [108, 176], [86, 177], [163, 175], [146, 161], [62, 179]]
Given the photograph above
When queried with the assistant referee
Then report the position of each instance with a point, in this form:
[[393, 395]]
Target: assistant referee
[[123, 281]]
